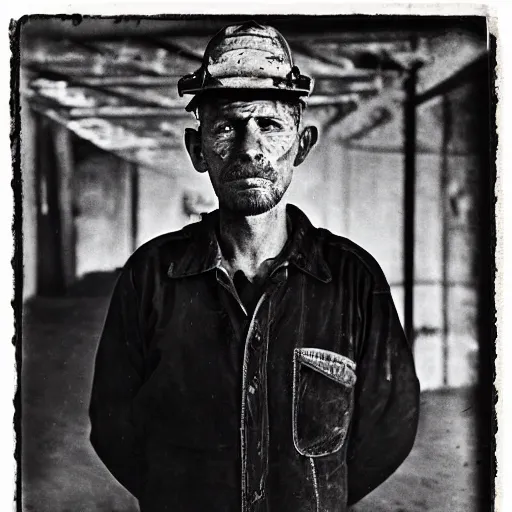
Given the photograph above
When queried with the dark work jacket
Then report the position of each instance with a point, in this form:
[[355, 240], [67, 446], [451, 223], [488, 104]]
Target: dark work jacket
[[304, 405]]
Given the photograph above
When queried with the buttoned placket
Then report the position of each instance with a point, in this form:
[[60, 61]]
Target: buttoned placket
[[254, 425]]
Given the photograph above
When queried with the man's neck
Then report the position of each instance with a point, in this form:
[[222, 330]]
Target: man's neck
[[248, 242]]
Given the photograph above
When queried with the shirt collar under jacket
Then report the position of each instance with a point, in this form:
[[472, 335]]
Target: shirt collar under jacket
[[303, 248]]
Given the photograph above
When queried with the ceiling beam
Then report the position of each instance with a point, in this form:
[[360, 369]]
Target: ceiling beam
[[96, 87], [304, 48], [113, 112], [175, 47], [478, 67]]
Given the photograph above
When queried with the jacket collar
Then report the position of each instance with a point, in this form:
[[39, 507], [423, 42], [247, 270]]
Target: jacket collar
[[303, 249]]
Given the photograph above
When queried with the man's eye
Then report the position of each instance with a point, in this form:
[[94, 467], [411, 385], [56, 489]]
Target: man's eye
[[269, 125], [224, 128]]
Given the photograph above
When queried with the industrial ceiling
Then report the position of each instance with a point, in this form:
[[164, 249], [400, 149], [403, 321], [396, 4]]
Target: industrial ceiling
[[113, 81]]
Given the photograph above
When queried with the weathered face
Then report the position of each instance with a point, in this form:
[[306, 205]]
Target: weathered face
[[249, 149]]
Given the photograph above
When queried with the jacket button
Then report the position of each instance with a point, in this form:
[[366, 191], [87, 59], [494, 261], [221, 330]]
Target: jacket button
[[256, 333]]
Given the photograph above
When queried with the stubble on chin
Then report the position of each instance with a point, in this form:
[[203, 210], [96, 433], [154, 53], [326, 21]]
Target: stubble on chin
[[249, 203]]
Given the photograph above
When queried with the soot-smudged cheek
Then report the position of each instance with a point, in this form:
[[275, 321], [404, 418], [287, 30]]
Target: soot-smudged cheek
[[222, 148], [277, 146]]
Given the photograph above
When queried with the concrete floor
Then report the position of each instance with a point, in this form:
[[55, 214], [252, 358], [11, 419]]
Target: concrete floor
[[61, 473]]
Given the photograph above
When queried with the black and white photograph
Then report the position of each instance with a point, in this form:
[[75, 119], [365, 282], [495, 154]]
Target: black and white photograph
[[254, 262]]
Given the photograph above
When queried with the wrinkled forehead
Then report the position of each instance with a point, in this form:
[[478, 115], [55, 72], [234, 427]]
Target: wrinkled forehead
[[242, 108]]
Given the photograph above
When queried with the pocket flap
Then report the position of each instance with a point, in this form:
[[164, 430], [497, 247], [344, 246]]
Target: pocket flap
[[335, 366]]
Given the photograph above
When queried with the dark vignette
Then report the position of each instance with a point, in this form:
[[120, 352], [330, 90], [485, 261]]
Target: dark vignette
[[17, 260], [487, 395]]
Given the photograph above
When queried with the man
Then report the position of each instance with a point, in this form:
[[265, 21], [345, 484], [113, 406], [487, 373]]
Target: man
[[252, 362]]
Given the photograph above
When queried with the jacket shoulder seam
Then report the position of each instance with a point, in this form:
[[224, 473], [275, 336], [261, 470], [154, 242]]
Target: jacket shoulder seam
[[363, 256], [156, 243]]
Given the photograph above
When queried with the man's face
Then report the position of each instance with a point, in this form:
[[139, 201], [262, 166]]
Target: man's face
[[249, 148]]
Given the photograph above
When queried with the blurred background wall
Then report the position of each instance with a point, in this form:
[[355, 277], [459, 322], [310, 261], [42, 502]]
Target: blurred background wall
[[402, 166]]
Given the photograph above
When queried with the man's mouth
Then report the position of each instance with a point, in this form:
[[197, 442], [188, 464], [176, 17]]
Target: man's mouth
[[244, 173], [249, 182]]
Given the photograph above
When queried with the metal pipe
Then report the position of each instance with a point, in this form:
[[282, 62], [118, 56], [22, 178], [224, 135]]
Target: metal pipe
[[447, 123]]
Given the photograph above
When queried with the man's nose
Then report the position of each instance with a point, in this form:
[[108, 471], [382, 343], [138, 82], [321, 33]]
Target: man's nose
[[249, 146]]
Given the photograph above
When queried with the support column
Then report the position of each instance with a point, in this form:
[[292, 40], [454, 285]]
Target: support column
[[134, 204], [409, 198], [65, 164], [447, 129], [50, 276]]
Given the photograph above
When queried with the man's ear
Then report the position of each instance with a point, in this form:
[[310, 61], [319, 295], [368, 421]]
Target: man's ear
[[307, 140], [193, 145]]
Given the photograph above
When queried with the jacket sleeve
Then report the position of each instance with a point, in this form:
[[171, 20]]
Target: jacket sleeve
[[117, 378], [386, 399]]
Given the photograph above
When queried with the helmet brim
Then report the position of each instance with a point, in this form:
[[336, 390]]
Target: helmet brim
[[237, 86]]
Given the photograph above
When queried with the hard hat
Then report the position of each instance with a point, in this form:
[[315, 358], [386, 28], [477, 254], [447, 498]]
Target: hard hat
[[246, 57]]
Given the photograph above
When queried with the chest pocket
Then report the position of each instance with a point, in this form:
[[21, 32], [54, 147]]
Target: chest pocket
[[323, 400]]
